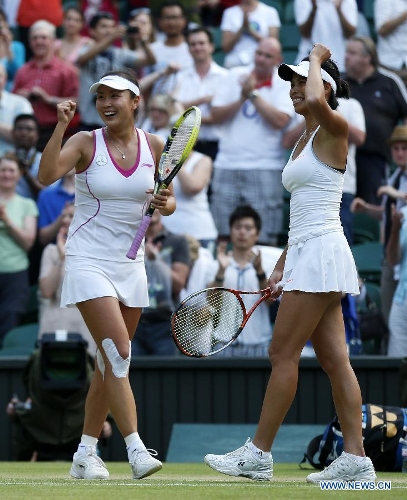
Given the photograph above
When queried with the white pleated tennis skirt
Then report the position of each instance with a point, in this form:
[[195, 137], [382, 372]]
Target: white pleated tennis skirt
[[321, 264], [92, 278]]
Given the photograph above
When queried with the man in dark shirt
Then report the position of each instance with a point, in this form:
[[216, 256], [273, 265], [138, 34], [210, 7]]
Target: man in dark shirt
[[384, 101]]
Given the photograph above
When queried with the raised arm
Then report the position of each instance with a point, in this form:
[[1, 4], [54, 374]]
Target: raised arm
[[56, 162], [348, 29], [332, 122], [306, 28]]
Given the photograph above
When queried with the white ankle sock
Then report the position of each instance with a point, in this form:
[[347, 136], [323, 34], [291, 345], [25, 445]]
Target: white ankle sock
[[258, 452], [133, 442], [86, 441], [356, 458]]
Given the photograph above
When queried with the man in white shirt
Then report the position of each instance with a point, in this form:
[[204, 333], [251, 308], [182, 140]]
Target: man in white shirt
[[196, 86], [243, 27], [391, 28], [254, 107], [247, 267], [11, 105], [330, 22], [171, 53]]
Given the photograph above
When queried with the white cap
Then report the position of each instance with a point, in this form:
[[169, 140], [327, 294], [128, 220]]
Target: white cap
[[115, 82], [285, 71]]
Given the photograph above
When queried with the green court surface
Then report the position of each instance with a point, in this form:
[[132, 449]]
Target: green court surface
[[50, 481]]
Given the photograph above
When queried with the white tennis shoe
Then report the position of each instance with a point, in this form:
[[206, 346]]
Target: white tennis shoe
[[143, 463], [242, 462], [344, 468], [88, 465]]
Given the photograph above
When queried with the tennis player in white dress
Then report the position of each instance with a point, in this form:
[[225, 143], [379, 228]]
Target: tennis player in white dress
[[115, 170], [315, 269]]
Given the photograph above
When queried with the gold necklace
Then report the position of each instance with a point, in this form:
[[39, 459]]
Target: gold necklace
[[306, 135], [115, 145]]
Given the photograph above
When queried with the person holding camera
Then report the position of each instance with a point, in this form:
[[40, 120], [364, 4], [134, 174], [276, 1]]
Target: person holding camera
[[100, 57], [69, 46], [140, 27]]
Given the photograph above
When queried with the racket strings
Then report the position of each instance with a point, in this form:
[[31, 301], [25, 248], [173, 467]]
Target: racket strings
[[178, 146], [207, 321]]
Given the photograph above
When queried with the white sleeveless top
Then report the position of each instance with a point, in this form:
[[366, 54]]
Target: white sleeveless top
[[316, 193], [110, 202], [193, 215], [318, 257]]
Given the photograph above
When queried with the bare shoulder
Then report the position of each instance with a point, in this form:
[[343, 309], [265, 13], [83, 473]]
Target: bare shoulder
[[156, 143], [82, 138], [336, 126], [80, 146]]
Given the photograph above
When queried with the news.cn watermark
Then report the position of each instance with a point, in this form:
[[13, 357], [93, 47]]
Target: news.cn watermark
[[355, 485]]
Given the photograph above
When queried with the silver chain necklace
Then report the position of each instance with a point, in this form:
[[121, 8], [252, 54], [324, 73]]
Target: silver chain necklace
[[115, 145], [306, 135]]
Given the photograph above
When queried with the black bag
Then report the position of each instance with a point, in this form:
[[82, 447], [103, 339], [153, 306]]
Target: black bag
[[382, 428], [372, 324]]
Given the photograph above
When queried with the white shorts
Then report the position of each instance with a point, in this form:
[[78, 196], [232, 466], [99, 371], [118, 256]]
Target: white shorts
[[92, 278], [321, 264]]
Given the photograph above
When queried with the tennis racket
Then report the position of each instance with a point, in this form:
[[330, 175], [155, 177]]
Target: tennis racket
[[208, 321], [176, 150]]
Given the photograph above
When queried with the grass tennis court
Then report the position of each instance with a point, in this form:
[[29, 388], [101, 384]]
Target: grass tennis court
[[50, 481]]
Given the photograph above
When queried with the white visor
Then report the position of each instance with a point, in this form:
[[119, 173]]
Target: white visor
[[115, 82], [285, 71]]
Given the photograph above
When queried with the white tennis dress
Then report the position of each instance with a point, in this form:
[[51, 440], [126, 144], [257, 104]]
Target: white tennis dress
[[318, 257], [109, 205]]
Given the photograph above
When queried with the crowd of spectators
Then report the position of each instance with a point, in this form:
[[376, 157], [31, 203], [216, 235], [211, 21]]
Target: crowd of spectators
[[54, 50]]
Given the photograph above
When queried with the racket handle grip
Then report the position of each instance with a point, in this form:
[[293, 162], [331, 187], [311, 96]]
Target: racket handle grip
[[145, 222]]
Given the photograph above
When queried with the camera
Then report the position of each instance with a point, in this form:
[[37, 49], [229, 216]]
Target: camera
[[159, 238], [22, 405], [133, 30]]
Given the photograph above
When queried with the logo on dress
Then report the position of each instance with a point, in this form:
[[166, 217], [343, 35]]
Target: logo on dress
[[149, 165], [101, 160]]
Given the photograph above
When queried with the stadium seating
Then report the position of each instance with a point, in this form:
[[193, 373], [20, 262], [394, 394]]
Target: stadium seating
[[277, 4], [22, 337], [365, 228], [31, 311], [289, 36], [288, 15], [368, 258]]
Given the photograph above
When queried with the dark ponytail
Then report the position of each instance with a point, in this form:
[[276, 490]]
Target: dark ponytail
[[342, 87]]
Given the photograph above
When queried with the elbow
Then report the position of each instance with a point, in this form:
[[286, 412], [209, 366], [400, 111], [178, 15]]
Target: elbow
[[43, 238], [28, 244], [382, 31], [45, 292], [44, 179], [304, 32], [217, 116], [391, 260], [282, 122], [193, 191], [312, 101], [360, 139]]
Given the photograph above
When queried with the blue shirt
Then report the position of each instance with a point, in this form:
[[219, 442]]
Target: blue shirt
[[51, 201]]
